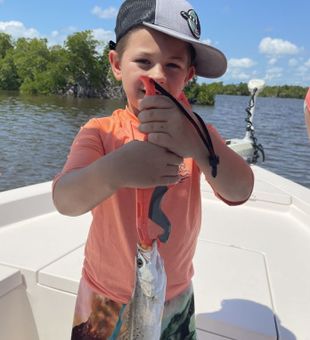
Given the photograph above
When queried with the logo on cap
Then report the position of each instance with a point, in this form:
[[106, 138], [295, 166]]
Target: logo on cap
[[193, 22]]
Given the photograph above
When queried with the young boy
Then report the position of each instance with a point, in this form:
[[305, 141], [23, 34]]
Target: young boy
[[142, 147]]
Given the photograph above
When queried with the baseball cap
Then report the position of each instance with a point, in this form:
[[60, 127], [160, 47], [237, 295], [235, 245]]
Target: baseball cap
[[178, 19]]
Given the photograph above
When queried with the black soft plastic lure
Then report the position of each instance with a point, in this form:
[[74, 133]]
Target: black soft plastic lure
[[155, 212]]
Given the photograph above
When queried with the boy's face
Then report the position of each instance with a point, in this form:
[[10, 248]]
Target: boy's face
[[156, 55]]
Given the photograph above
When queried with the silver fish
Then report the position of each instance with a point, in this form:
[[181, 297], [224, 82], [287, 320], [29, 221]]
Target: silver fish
[[147, 305]]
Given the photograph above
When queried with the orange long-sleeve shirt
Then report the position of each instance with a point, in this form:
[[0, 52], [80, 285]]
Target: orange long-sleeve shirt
[[109, 265]]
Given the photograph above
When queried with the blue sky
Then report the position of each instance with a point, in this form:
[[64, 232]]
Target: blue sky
[[262, 39]]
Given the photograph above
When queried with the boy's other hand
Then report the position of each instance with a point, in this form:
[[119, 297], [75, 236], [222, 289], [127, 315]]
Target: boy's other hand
[[143, 164]]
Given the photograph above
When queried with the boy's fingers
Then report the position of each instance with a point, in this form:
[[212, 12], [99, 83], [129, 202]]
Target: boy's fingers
[[160, 139], [161, 102], [153, 127], [174, 159], [172, 170], [153, 115], [167, 180]]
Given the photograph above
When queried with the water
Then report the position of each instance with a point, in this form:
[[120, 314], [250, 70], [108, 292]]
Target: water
[[279, 127], [36, 133]]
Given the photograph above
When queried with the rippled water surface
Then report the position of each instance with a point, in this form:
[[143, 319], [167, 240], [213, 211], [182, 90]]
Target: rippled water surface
[[36, 133]]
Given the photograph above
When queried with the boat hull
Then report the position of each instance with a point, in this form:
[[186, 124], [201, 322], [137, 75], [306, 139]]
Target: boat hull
[[251, 277]]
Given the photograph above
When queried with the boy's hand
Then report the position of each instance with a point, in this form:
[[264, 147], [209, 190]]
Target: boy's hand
[[143, 164], [166, 126]]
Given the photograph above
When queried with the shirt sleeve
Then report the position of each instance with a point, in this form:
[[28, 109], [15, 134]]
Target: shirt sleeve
[[86, 148]]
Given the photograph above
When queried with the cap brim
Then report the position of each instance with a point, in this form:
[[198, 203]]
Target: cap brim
[[210, 62]]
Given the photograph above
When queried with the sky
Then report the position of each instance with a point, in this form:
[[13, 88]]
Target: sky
[[266, 39]]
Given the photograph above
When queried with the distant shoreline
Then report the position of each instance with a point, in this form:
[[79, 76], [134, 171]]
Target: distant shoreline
[[200, 94], [31, 66]]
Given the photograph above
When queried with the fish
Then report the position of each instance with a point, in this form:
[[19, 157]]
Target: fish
[[147, 305]]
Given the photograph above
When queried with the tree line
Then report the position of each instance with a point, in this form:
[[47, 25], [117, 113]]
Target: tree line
[[31, 66], [205, 93], [77, 68]]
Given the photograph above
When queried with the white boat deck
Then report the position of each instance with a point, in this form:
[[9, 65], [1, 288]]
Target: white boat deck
[[252, 276]]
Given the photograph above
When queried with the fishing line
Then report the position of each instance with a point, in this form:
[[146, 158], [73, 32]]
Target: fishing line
[[213, 158]]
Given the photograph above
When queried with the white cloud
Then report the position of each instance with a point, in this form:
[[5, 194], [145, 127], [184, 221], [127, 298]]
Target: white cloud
[[241, 76], [241, 63], [108, 13], [277, 47], [58, 37], [302, 69], [273, 73], [236, 69], [103, 35], [55, 34], [272, 61], [17, 29], [303, 75], [293, 62]]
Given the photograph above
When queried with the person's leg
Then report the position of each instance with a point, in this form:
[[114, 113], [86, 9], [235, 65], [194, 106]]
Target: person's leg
[[179, 317], [97, 317]]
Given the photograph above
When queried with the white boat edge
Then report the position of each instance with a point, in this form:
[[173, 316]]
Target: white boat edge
[[251, 278]]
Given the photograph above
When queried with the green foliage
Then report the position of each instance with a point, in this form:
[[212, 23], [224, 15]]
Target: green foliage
[[31, 57], [191, 90], [31, 66], [110, 81], [205, 93], [205, 96], [5, 44], [58, 72], [284, 91], [9, 79], [83, 60]]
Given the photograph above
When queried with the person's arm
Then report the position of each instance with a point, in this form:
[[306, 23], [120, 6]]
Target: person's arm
[[307, 120], [234, 181], [134, 165], [78, 191], [307, 111], [168, 127]]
